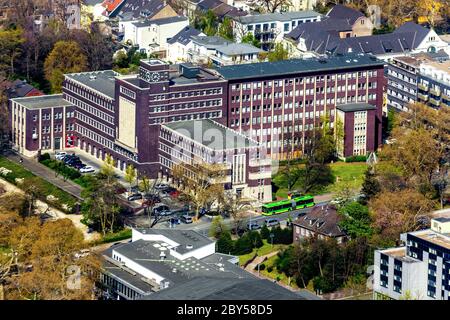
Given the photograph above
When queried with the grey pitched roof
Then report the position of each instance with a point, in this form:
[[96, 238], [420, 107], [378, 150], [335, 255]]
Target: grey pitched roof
[[209, 4], [101, 81], [211, 42], [340, 11], [162, 21], [238, 49], [19, 88], [419, 31], [133, 9], [322, 220], [210, 288], [277, 16], [295, 66], [322, 38], [184, 36]]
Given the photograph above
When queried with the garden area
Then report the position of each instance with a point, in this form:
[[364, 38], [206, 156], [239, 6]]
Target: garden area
[[41, 188], [65, 171], [344, 174]]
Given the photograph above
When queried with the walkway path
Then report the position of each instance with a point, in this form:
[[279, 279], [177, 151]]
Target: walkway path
[[47, 174], [258, 260]]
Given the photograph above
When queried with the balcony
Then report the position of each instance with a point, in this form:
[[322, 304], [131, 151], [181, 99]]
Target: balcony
[[434, 102], [445, 105], [445, 97], [435, 92], [423, 97], [423, 87]]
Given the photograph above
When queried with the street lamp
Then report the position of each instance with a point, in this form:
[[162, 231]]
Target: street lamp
[[271, 239]]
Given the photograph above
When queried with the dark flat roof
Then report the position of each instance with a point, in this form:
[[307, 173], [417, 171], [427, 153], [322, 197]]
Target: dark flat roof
[[38, 102], [210, 288], [100, 81], [350, 107], [294, 66]]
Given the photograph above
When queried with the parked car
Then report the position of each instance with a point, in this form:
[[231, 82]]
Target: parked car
[[70, 157], [75, 163], [253, 226], [271, 222], [186, 218], [158, 209], [134, 189], [136, 196], [60, 155], [87, 169], [165, 212], [161, 186], [78, 165]]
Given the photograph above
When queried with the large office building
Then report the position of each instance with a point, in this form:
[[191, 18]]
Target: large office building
[[422, 77], [169, 264], [276, 105], [418, 270]]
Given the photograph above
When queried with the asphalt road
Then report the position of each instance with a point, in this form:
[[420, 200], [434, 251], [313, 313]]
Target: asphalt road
[[203, 225]]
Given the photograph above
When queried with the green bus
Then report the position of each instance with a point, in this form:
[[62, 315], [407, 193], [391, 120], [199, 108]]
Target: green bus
[[287, 205]]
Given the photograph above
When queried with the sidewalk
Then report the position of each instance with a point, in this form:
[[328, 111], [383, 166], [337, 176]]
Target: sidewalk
[[47, 174]]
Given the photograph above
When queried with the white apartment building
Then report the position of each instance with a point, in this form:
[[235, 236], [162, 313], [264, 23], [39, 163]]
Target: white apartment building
[[152, 35], [272, 27], [418, 270]]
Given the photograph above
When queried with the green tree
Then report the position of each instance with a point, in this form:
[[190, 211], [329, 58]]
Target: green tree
[[250, 39], [225, 244], [371, 186], [278, 53], [66, 57], [226, 29], [265, 232], [208, 23], [10, 48], [217, 227], [356, 220], [130, 174]]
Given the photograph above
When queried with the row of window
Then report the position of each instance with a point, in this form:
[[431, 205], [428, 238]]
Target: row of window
[[307, 80], [90, 109], [91, 96], [189, 105], [96, 124], [185, 94], [94, 136], [191, 116]]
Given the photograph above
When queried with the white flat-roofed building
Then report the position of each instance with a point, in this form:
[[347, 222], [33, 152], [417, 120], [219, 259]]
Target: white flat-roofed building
[[418, 270]]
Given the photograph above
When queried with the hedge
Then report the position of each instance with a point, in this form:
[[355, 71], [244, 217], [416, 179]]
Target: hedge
[[356, 159], [46, 188], [70, 173], [116, 236]]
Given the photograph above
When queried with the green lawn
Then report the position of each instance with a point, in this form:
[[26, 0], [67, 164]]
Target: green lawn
[[46, 188], [275, 275], [265, 249], [343, 172]]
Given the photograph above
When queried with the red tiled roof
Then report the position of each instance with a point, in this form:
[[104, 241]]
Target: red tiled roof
[[111, 5]]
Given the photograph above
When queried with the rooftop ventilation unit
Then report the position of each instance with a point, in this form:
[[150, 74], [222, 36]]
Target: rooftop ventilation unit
[[189, 246]]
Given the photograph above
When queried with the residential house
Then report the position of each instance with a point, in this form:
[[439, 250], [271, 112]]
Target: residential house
[[302, 5], [204, 47], [271, 27], [235, 53], [359, 23], [151, 36], [21, 88], [308, 40], [179, 45], [321, 222]]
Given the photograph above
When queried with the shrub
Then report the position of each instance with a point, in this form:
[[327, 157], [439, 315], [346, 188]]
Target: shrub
[[117, 236], [356, 159], [255, 239], [269, 269], [44, 156], [225, 244], [262, 266], [242, 246], [265, 232]]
